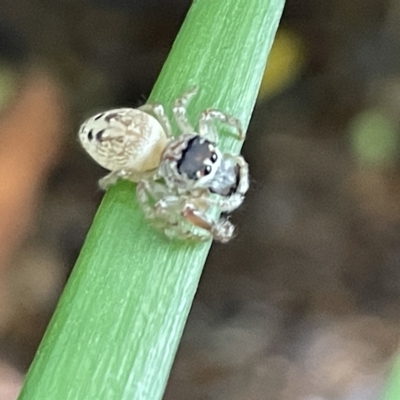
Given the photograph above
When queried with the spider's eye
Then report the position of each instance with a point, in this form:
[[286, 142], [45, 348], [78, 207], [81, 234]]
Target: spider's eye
[[207, 170], [214, 157]]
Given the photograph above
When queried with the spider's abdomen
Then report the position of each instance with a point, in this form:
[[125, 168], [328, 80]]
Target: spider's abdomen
[[124, 138]]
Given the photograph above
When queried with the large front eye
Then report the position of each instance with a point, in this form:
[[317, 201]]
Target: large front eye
[[214, 157], [207, 170]]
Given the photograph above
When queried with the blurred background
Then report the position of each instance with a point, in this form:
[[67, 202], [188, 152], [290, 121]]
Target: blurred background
[[305, 303]]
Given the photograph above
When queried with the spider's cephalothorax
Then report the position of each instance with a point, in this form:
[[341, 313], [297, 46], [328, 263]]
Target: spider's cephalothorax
[[193, 181], [189, 162]]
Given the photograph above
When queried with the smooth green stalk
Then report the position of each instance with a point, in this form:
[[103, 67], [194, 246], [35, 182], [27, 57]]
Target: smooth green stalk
[[118, 324], [393, 388]]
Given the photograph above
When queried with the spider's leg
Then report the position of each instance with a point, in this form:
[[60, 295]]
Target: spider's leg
[[143, 195], [222, 230], [176, 215], [149, 193], [126, 174], [158, 110], [109, 180], [179, 110], [207, 127], [161, 208]]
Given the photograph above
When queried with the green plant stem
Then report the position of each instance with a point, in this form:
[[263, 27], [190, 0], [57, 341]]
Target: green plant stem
[[117, 327], [393, 387]]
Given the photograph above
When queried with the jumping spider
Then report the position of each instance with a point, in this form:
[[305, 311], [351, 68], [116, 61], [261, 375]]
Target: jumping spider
[[185, 182]]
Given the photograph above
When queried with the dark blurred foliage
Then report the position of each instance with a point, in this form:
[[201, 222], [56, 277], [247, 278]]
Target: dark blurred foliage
[[304, 304], [105, 52]]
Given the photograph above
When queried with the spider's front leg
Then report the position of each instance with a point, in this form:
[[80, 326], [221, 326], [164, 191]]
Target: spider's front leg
[[162, 209], [207, 127], [221, 230], [176, 215], [149, 194]]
